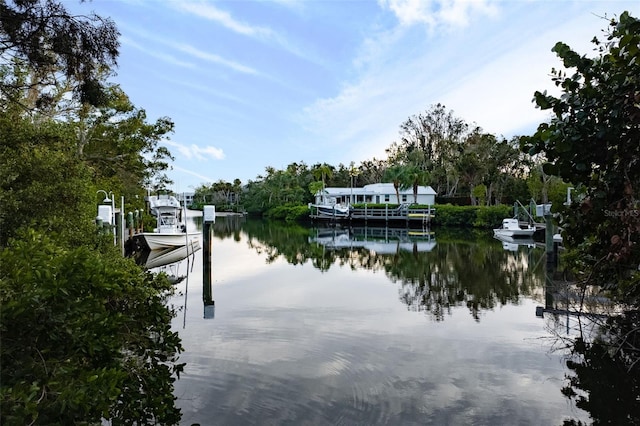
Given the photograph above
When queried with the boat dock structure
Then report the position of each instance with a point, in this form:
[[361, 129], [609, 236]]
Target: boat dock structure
[[380, 202], [386, 214]]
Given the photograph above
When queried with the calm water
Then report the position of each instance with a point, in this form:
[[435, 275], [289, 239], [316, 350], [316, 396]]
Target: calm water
[[323, 327]]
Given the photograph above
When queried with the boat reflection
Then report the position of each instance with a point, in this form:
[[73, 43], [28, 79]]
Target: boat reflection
[[513, 244], [152, 259]]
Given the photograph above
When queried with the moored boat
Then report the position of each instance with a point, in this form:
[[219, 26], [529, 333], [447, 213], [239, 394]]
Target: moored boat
[[511, 228], [169, 231], [332, 210]]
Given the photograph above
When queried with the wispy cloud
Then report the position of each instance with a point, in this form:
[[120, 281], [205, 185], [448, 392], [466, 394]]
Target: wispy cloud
[[210, 12], [438, 13], [160, 55], [264, 34], [196, 152], [210, 57], [192, 173], [183, 48]]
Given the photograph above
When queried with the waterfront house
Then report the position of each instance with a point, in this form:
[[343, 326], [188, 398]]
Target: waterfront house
[[376, 193]]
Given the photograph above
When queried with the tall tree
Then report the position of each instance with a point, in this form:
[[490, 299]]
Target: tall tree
[[431, 141], [118, 143], [57, 45], [592, 141]]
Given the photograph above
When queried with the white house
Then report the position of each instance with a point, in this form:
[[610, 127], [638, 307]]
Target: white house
[[376, 193]]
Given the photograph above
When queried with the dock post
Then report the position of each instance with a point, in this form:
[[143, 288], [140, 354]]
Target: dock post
[[207, 250], [548, 238], [130, 223]]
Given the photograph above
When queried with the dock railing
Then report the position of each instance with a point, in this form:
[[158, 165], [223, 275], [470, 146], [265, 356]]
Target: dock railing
[[386, 213]]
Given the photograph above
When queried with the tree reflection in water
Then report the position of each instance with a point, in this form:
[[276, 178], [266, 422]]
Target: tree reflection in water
[[434, 274], [461, 269], [604, 368], [602, 340]]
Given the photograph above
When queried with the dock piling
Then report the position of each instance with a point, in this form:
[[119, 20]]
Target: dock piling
[[207, 270]]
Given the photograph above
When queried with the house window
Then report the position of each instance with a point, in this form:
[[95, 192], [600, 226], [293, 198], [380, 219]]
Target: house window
[[386, 198], [404, 198]]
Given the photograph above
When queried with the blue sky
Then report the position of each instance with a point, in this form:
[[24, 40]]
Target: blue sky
[[257, 83]]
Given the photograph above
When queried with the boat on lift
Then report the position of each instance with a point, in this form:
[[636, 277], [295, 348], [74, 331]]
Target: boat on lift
[[511, 228], [170, 231]]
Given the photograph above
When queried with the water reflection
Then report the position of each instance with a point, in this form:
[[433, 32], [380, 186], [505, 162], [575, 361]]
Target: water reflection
[[427, 329], [602, 341], [152, 259], [604, 378], [432, 277]]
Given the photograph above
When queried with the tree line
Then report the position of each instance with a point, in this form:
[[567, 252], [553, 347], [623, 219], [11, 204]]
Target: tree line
[[463, 164]]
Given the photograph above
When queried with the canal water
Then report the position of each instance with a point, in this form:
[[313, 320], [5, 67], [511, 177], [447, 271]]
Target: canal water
[[367, 326]]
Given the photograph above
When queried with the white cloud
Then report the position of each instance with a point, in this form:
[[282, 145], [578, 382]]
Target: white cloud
[[436, 13], [196, 152], [208, 151]]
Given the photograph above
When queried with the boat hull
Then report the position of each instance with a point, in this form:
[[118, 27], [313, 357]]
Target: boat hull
[[163, 240], [514, 233], [332, 211]]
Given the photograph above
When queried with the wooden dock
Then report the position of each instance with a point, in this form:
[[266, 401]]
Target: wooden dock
[[385, 214]]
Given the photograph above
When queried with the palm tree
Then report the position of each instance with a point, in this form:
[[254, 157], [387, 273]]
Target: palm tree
[[395, 175], [414, 177], [322, 171]]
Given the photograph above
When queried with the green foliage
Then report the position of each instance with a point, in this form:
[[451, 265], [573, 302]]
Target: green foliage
[[480, 193], [288, 213], [42, 184], [470, 216], [592, 141], [315, 187], [85, 336], [281, 187], [491, 216], [454, 216], [132, 159]]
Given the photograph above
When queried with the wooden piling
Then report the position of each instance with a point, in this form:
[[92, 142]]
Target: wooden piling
[[207, 270]]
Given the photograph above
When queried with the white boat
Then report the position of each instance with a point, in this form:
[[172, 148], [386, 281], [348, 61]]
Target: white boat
[[169, 231], [511, 228], [331, 210]]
